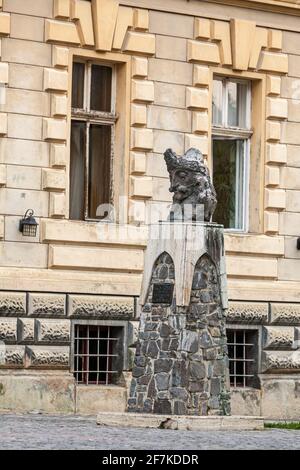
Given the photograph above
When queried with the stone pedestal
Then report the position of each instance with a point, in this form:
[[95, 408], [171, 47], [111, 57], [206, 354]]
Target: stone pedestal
[[181, 362]]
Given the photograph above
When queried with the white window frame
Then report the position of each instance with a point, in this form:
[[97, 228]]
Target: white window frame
[[95, 117], [224, 131]]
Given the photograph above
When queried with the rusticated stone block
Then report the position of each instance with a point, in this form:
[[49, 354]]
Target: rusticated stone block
[[61, 9], [100, 306], [277, 108], [4, 24], [60, 57], [54, 129], [8, 330], [57, 205], [3, 73], [278, 337], [141, 186], [281, 361], [273, 62], [13, 357], [247, 312], [204, 52], [3, 175], [271, 222], [139, 67], [140, 43], [297, 338], [47, 357], [3, 124], [53, 180], [52, 331], [273, 85], [55, 80], [53, 305], [285, 314], [12, 303], [275, 199], [25, 329], [2, 227], [133, 331], [131, 355], [141, 19], [142, 90], [141, 139]]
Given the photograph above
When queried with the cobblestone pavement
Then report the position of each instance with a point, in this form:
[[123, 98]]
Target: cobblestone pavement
[[72, 432]]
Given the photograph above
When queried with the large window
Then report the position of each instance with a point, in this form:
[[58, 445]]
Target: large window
[[243, 357], [92, 138], [231, 132]]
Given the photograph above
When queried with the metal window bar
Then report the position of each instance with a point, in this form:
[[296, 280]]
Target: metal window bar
[[107, 359], [244, 355], [87, 358], [239, 345], [234, 361], [243, 360], [94, 348], [98, 352]]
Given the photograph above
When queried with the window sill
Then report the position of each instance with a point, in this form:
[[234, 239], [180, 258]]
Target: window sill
[[235, 231], [94, 386], [245, 389]]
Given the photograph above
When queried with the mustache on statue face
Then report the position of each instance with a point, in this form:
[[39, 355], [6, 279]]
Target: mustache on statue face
[[178, 188]]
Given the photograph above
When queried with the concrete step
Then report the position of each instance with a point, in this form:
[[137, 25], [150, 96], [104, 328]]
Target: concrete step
[[189, 423]]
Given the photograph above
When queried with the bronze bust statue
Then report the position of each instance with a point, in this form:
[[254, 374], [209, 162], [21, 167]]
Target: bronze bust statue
[[194, 193]]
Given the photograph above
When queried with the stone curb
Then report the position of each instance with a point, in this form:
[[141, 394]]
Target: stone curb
[[187, 423]]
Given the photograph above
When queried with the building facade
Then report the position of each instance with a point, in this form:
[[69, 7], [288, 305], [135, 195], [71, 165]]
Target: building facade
[[92, 93]]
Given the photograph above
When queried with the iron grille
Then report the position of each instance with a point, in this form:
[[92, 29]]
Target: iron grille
[[242, 346], [96, 354]]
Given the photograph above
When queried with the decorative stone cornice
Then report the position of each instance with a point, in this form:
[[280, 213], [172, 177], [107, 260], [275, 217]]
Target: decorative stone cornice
[[291, 7], [240, 43], [103, 25]]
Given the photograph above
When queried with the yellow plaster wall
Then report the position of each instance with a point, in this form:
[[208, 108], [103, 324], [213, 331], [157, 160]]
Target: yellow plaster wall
[[166, 76]]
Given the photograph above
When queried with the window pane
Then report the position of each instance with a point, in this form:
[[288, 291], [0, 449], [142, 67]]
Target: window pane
[[99, 168], [101, 88], [217, 102], [77, 170], [228, 178], [237, 104], [78, 85], [232, 104]]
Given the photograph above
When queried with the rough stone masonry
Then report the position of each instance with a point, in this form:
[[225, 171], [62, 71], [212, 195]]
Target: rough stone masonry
[[181, 362]]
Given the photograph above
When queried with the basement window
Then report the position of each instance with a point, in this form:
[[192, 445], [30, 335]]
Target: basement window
[[243, 357], [98, 354]]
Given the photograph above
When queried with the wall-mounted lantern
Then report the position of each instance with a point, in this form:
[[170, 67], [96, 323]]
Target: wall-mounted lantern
[[28, 225]]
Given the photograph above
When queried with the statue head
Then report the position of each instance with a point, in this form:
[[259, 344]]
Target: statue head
[[190, 181]]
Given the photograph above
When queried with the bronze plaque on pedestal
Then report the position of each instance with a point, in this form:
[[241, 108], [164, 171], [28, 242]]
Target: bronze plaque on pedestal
[[163, 293]]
